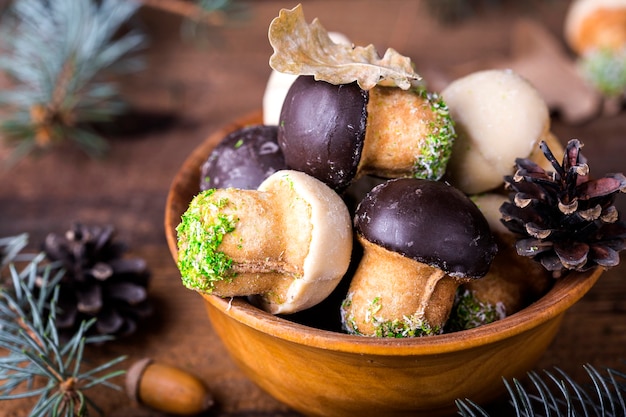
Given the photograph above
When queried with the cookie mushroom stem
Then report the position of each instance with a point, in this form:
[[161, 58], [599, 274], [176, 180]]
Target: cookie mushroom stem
[[421, 239], [429, 288], [286, 244]]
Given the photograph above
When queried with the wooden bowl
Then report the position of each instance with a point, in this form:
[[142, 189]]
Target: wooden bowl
[[321, 372]]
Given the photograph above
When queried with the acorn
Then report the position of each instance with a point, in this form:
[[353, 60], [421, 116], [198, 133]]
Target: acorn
[[167, 388]]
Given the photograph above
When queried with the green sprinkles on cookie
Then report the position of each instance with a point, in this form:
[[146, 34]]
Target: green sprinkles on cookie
[[435, 153], [396, 328], [469, 312], [200, 234]]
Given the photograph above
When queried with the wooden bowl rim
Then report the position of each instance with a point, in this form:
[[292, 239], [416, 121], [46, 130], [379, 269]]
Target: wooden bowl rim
[[565, 293]]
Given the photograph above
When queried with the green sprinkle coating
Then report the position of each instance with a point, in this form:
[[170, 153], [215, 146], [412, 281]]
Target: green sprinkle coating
[[397, 328], [436, 152], [469, 312], [200, 233]]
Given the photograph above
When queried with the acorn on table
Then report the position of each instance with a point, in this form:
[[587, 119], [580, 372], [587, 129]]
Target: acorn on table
[[167, 388]]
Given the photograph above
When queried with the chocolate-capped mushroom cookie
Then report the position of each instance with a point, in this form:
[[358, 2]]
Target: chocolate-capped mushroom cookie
[[421, 239], [339, 132], [352, 111]]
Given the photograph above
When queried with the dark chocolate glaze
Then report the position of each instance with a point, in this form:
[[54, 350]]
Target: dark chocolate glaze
[[243, 159], [322, 129], [429, 221]]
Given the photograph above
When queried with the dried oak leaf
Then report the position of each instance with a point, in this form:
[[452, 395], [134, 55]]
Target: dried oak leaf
[[303, 49]]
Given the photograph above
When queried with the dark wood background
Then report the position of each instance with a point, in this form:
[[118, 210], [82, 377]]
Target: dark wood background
[[191, 88]]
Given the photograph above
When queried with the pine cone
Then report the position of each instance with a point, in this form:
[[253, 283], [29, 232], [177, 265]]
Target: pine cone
[[566, 220], [98, 282]]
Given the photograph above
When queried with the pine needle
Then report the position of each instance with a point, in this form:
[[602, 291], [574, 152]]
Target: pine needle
[[33, 349], [61, 57], [556, 394]]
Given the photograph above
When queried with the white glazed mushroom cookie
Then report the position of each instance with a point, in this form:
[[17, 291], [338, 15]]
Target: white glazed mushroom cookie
[[288, 243], [593, 24], [499, 116]]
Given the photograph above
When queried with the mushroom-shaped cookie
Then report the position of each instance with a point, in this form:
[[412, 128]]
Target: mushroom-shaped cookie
[[596, 31], [337, 133], [352, 111], [421, 239], [499, 116], [513, 281], [289, 242], [243, 159], [595, 24]]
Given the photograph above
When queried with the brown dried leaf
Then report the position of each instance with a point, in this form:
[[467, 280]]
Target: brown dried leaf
[[303, 49]]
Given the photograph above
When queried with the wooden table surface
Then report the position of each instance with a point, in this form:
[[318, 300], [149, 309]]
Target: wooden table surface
[[192, 88]]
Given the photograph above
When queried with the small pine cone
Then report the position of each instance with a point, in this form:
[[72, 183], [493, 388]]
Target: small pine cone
[[98, 282], [566, 220]]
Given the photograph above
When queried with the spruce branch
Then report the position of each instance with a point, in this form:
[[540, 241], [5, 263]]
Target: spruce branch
[[212, 12], [200, 16], [10, 247], [33, 351], [60, 56], [556, 394]]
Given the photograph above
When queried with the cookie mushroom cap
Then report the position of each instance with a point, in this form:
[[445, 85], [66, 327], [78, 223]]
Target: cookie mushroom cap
[[430, 222], [286, 244], [499, 116], [595, 24], [421, 239], [243, 159], [330, 249], [322, 129]]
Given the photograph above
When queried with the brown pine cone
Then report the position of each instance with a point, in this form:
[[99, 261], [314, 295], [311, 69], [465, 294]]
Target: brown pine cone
[[98, 282], [564, 219]]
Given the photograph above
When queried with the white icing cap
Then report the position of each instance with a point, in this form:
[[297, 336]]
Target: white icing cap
[[499, 116], [330, 247]]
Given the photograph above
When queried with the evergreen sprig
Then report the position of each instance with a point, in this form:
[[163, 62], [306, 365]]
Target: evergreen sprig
[[605, 70], [36, 362], [556, 394], [212, 14], [60, 56], [10, 248]]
